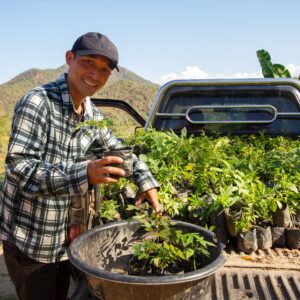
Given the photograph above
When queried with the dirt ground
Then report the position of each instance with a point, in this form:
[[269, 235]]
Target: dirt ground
[[7, 290], [284, 263]]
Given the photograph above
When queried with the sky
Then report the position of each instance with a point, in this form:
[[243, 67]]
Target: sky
[[159, 40]]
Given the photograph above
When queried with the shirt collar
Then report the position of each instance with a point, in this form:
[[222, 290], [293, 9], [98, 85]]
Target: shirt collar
[[67, 99], [88, 112]]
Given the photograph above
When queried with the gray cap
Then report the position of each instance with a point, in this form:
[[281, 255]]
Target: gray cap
[[94, 43]]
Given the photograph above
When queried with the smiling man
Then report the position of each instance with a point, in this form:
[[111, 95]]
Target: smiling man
[[47, 167], [91, 61]]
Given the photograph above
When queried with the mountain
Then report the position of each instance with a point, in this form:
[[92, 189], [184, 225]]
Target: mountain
[[35, 77], [124, 85]]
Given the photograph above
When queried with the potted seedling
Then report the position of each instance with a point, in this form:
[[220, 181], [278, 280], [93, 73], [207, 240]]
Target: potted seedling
[[264, 216], [241, 215], [293, 233], [246, 238], [108, 211], [150, 257], [227, 200], [167, 249], [293, 237], [281, 218]]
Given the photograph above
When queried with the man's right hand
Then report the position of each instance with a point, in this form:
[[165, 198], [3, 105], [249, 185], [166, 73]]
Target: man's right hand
[[99, 169]]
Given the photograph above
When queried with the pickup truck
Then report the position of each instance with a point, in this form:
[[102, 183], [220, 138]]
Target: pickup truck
[[235, 107]]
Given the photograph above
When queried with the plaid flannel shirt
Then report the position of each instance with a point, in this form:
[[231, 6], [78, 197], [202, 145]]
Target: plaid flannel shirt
[[45, 167]]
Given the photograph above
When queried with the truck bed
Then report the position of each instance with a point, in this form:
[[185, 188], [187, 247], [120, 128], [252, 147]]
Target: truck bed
[[262, 275]]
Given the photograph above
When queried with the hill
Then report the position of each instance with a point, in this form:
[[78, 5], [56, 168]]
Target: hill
[[12, 90], [124, 85]]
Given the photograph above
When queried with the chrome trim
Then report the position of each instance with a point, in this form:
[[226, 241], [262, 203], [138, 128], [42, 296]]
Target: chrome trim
[[272, 108], [183, 115], [288, 114]]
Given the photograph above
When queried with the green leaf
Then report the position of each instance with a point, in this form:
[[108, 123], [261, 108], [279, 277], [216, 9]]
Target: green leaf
[[137, 249], [269, 69], [189, 253], [177, 252], [156, 262], [143, 157], [132, 207], [279, 71], [184, 132], [164, 234], [264, 56], [292, 187], [190, 239], [279, 204], [273, 206], [265, 63]]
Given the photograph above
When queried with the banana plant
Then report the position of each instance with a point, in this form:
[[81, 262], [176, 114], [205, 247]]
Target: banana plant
[[269, 69]]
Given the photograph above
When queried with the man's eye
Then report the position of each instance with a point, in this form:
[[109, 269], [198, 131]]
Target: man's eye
[[88, 62], [106, 70]]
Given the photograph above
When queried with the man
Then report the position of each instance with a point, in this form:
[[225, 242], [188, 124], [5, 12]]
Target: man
[[45, 169]]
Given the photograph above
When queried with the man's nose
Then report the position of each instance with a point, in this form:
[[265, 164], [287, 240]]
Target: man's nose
[[94, 74]]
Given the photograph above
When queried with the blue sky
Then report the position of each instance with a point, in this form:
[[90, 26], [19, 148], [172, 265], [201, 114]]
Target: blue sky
[[159, 39]]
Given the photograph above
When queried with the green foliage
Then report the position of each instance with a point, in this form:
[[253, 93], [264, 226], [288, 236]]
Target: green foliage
[[100, 124], [109, 211], [253, 174], [199, 176], [269, 69], [166, 247]]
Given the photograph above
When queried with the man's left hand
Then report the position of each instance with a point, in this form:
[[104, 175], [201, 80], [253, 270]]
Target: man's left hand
[[152, 196]]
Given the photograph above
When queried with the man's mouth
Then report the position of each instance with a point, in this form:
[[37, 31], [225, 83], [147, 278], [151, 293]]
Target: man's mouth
[[89, 83]]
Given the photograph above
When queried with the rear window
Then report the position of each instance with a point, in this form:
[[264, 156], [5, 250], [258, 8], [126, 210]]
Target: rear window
[[235, 110]]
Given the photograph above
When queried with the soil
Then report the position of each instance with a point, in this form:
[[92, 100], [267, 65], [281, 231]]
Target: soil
[[276, 258]]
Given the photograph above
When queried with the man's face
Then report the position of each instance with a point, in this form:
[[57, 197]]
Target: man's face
[[87, 74]]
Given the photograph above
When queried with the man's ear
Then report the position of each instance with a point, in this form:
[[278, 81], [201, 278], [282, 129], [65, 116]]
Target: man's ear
[[69, 57]]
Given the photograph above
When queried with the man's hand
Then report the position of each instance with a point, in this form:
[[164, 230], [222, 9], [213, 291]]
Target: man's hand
[[152, 196], [98, 170], [74, 231]]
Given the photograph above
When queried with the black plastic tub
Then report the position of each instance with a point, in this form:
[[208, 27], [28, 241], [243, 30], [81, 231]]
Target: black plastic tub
[[104, 250]]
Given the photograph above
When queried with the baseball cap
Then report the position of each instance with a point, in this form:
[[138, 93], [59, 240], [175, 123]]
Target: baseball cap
[[94, 43]]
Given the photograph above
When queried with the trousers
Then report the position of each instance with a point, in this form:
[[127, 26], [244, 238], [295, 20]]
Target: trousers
[[34, 280]]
